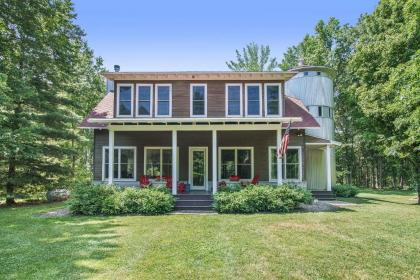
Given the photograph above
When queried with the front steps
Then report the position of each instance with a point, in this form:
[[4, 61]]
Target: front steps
[[324, 195], [194, 202]]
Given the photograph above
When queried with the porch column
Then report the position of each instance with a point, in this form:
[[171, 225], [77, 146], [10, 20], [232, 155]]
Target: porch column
[[174, 162], [328, 158], [279, 159], [214, 160], [110, 156]]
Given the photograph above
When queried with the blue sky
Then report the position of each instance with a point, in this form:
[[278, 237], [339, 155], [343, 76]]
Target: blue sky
[[200, 35]]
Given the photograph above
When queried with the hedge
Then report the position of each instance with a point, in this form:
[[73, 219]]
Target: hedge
[[104, 199], [345, 190], [261, 198]]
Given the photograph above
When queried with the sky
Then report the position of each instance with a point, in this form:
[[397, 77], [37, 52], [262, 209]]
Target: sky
[[182, 35]]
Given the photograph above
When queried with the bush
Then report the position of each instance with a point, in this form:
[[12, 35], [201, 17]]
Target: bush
[[111, 200], [345, 190], [253, 199]]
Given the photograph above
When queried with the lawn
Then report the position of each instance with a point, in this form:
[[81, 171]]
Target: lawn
[[378, 238]]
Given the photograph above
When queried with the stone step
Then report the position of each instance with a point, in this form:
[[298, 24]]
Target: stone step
[[194, 208], [189, 202]]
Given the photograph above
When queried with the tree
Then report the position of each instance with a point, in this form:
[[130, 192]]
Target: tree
[[45, 63], [254, 58]]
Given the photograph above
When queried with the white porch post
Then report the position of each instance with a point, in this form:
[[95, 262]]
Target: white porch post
[[110, 156], [279, 159], [174, 162], [214, 160], [328, 158]]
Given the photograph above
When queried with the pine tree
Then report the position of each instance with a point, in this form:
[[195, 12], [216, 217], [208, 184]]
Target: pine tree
[[254, 58]]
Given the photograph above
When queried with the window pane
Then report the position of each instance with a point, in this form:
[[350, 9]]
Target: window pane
[[153, 162], [198, 107], [234, 108], [272, 93], [292, 171], [319, 111], [163, 93], [163, 108], [272, 107], [167, 156], [144, 93], [244, 156], [273, 160], [253, 93], [198, 93], [144, 108], [253, 107], [125, 108], [127, 156], [127, 171], [228, 163], [125, 93], [234, 93], [325, 111], [292, 156], [244, 171]]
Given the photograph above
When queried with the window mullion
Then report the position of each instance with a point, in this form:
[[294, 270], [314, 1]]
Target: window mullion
[[236, 162], [119, 163]]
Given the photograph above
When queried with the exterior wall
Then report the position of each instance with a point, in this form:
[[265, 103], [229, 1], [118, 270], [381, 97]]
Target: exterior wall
[[314, 90], [215, 96], [260, 140]]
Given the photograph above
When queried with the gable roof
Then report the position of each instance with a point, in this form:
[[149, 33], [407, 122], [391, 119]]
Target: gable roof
[[293, 108]]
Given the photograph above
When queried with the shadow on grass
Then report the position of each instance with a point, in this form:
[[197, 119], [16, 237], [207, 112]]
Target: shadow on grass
[[55, 248]]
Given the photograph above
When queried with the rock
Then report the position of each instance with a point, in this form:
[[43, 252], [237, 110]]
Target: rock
[[57, 213], [58, 195]]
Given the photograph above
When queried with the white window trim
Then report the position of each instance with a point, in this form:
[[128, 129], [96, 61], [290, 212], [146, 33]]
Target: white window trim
[[236, 163], [227, 100], [299, 148], [157, 100], [280, 100], [205, 100], [159, 148], [138, 99], [118, 99], [246, 99], [119, 161]]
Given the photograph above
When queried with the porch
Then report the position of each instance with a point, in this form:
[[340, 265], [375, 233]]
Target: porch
[[195, 157]]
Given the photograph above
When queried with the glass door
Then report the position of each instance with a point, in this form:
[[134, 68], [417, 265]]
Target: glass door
[[198, 168]]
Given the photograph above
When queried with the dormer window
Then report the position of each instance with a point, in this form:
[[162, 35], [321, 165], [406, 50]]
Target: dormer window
[[273, 100], [253, 106], [125, 100], [198, 100], [233, 100], [144, 100], [163, 105]]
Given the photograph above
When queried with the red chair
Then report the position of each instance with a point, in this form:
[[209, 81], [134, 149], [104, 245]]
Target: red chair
[[255, 180], [144, 181], [181, 187], [168, 180]]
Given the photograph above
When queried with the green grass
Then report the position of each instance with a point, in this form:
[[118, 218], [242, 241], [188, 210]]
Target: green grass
[[379, 238]]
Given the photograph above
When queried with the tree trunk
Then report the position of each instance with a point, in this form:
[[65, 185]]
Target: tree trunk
[[10, 188]]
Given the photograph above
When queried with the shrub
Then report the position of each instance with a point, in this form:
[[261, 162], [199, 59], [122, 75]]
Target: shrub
[[111, 200], [253, 199], [345, 190]]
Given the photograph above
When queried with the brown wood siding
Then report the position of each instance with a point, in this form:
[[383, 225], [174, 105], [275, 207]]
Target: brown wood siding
[[260, 140], [216, 99]]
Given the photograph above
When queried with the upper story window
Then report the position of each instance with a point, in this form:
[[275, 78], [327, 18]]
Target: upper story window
[[125, 100], [144, 100], [163, 105], [198, 100], [253, 100], [273, 100], [324, 112], [233, 100]]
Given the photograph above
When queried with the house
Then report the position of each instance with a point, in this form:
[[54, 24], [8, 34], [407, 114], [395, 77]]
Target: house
[[203, 127]]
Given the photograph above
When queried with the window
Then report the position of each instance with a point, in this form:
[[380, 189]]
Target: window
[[163, 106], [318, 73], [233, 100], [305, 73], [325, 112], [144, 100], [125, 100], [236, 161], [253, 100], [124, 163], [198, 100], [272, 99], [157, 161], [291, 164]]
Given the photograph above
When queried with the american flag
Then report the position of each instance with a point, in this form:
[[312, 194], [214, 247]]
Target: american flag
[[284, 142]]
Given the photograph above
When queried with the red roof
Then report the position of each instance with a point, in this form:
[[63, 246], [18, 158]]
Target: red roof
[[293, 108]]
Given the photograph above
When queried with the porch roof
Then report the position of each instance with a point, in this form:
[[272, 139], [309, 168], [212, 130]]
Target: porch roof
[[103, 115]]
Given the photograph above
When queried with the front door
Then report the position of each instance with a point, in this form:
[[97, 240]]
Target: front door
[[198, 168]]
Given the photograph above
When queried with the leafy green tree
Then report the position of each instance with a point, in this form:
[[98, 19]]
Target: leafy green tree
[[254, 58], [45, 65]]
